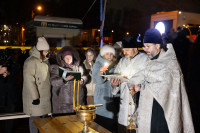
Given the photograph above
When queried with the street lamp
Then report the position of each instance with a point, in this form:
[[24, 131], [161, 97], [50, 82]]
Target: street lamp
[[37, 9], [22, 35]]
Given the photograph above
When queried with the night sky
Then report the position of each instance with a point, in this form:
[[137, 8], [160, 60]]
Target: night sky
[[12, 11], [120, 14]]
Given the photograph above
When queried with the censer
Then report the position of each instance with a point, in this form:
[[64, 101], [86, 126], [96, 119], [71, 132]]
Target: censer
[[85, 113]]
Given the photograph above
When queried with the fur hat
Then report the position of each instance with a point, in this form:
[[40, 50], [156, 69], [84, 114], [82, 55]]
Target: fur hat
[[118, 45], [129, 42], [42, 44], [107, 49], [153, 36]]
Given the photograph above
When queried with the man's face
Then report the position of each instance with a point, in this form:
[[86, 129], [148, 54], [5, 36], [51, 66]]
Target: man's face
[[3, 69], [108, 56], [89, 56], [129, 52], [151, 49]]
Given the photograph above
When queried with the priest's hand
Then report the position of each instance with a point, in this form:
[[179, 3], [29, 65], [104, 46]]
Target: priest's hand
[[137, 88], [115, 82], [134, 89]]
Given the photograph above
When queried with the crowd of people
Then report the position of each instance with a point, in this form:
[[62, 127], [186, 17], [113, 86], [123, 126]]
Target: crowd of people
[[153, 99]]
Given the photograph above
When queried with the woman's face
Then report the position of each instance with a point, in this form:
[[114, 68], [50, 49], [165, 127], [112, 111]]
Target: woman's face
[[89, 56], [108, 56], [45, 52], [68, 59]]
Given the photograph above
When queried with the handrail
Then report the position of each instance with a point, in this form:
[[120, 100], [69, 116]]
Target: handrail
[[16, 115], [13, 116]]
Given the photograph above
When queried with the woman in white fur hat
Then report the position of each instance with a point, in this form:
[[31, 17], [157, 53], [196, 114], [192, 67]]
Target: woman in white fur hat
[[107, 114], [36, 85]]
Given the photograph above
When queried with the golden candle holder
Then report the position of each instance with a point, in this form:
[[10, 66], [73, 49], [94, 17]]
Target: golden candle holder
[[132, 123], [86, 117], [85, 113]]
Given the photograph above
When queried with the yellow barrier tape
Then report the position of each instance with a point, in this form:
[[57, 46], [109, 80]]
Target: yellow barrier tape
[[24, 48]]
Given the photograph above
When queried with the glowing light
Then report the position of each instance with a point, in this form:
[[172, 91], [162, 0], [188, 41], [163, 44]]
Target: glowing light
[[138, 38], [179, 12], [39, 8], [112, 31], [127, 33], [105, 67], [5, 27], [23, 29], [106, 64], [183, 25], [98, 30], [160, 27]]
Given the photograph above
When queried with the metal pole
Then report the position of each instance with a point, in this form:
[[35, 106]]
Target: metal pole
[[102, 19]]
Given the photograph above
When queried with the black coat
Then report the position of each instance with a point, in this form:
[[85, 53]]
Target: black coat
[[8, 89]]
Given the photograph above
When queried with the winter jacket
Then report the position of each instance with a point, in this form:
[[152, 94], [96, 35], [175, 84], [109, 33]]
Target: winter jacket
[[102, 94], [36, 85], [62, 91], [128, 67]]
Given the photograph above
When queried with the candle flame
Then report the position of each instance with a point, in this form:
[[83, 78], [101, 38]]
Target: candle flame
[[106, 64]]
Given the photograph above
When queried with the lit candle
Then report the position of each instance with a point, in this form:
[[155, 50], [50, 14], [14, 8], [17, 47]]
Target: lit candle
[[105, 67], [78, 95], [106, 64], [90, 62], [74, 94]]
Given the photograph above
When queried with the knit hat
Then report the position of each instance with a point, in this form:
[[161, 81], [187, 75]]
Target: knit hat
[[153, 36], [66, 53], [42, 44], [129, 42], [118, 45], [107, 49]]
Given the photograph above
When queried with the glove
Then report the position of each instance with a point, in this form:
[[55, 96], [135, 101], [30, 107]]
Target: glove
[[36, 102]]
